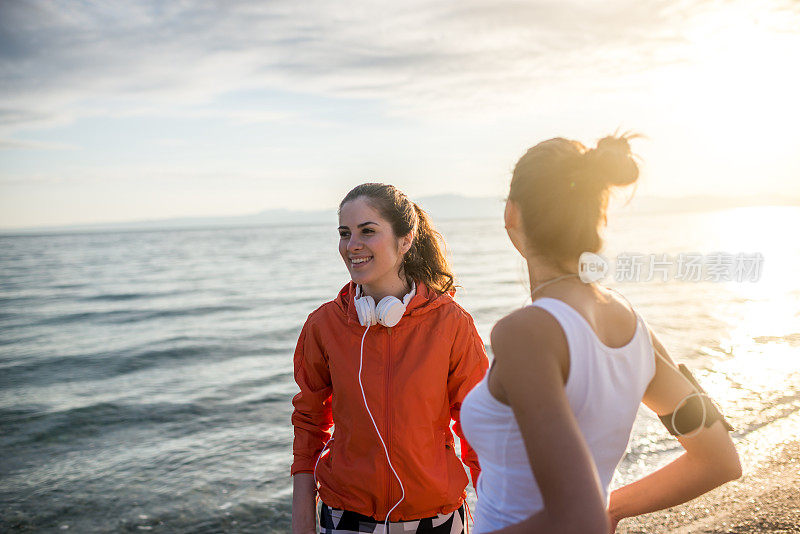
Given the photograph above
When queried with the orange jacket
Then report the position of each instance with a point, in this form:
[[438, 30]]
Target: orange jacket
[[415, 376]]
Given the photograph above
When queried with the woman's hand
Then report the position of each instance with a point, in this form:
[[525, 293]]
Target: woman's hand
[[304, 513]]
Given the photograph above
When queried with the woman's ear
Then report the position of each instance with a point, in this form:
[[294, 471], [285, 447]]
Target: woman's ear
[[405, 243], [513, 221], [511, 215]]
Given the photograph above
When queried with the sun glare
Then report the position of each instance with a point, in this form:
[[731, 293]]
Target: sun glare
[[737, 85], [741, 69]]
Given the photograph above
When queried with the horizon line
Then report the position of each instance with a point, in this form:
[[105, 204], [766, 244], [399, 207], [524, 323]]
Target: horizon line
[[676, 203]]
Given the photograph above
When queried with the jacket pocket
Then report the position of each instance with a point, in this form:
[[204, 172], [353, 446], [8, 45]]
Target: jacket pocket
[[433, 481], [457, 478]]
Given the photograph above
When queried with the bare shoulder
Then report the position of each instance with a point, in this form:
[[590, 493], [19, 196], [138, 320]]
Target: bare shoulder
[[527, 332], [530, 352]]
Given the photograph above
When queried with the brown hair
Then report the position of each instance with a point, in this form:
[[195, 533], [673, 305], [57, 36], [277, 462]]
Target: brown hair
[[425, 261], [562, 189]]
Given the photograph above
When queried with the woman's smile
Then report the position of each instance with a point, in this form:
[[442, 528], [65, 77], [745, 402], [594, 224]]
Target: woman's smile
[[360, 262]]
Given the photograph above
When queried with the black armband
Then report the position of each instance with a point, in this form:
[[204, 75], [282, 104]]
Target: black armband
[[695, 409]]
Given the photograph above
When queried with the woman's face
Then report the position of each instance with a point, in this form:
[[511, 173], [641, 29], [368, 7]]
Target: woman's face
[[369, 248]]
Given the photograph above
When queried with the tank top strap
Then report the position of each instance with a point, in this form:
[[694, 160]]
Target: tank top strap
[[579, 347], [640, 320], [564, 314]]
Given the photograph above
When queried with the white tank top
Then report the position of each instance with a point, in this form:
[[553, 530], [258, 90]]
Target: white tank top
[[604, 388]]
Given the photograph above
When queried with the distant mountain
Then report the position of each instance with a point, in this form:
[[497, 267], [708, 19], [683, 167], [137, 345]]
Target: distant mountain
[[263, 218], [440, 207]]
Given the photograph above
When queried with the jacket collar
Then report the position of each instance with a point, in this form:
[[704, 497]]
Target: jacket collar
[[424, 301]]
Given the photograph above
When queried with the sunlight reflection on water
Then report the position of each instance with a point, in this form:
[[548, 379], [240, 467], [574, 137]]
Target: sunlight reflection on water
[[161, 362]]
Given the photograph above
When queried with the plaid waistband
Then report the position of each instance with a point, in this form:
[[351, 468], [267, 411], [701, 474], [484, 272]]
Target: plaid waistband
[[335, 521]]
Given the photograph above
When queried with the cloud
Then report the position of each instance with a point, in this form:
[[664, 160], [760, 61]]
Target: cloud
[[16, 144], [62, 60], [25, 180]]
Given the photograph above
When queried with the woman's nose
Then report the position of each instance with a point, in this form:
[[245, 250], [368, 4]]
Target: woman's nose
[[353, 244]]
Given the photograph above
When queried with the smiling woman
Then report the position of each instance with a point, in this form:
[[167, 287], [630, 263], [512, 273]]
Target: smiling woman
[[381, 383], [377, 214], [371, 251]]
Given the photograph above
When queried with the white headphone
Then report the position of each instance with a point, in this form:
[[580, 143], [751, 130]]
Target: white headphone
[[388, 312]]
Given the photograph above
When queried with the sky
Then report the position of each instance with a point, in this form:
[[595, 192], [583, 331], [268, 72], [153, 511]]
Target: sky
[[117, 111]]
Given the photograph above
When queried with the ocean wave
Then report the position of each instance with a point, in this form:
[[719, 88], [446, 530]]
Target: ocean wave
[[104, 365], [139, 295], [145, 513], [115, 297], [38, 425], [134, 316]]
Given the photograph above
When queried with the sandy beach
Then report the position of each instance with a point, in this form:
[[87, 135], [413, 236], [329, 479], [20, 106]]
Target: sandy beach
[[765, 499]]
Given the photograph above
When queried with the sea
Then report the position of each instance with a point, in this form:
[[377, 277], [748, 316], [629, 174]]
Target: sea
[[146, 376]]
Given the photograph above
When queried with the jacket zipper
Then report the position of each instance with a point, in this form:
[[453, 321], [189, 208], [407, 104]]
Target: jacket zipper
[[388, 417]]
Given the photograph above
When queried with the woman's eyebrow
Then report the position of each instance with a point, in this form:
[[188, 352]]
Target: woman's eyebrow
[[359, 226]]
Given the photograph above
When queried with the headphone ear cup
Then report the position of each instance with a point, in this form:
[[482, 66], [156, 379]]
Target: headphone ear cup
[[365, 307], [389, 311]]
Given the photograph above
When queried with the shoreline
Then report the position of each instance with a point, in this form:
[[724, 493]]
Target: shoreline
[[765, 499]]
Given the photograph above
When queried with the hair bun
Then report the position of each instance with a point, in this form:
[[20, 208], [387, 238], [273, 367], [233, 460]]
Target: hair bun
[[612, 162]]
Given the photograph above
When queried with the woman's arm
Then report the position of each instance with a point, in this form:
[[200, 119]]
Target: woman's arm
[[312, 420], [529, 346], [304, 504], [710, 459], [468, 364]]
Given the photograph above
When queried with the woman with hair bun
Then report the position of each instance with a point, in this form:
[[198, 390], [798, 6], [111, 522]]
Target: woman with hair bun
[[552, 418], [382, 370]]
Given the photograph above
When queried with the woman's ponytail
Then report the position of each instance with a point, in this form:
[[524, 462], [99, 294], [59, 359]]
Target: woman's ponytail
[[425, 260]]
